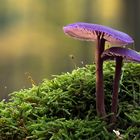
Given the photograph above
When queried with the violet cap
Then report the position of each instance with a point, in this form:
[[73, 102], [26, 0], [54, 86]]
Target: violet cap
[[89, 32], [126, 54]]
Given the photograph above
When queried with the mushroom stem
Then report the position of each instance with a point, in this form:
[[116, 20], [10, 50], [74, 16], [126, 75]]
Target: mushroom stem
[[116, 83], [100, 106]]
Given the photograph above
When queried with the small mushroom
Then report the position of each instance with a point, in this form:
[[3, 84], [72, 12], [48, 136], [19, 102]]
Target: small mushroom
[[120, 55], [100, 34]]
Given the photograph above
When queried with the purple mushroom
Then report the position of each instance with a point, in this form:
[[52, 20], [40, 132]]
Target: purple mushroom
[[100, 34], [120, 55]]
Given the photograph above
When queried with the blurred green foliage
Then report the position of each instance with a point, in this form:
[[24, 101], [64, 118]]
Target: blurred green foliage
[[64, 107]]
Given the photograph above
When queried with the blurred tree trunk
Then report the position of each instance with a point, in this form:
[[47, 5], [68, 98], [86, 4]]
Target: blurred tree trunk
[[3, 16], [87, 17], [88, 11], [132, 19]]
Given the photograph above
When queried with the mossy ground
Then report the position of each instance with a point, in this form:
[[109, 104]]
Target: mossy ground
[[64, 108]]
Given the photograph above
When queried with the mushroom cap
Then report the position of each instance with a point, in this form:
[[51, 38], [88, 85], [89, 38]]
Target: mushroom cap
[[126, 54], [89, 32]]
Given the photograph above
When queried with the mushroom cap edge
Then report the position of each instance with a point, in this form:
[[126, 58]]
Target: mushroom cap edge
[[125, 53], [88, 32]]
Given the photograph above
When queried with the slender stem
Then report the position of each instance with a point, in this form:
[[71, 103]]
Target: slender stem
[[116, 83], [100, 106]]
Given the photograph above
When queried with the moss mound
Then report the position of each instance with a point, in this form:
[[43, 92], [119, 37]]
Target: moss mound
[[64, 108]]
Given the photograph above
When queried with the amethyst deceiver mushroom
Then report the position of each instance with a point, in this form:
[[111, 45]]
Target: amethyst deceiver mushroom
[[100, 34], [120, 55]]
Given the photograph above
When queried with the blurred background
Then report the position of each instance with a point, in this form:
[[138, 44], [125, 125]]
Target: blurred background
[[32, 42]]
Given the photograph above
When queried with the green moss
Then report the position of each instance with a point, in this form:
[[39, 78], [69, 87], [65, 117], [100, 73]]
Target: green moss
[[64, 108]]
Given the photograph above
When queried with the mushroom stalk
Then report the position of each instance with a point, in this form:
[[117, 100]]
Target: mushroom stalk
[[116, 83], [100, 106], [119, 54]]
